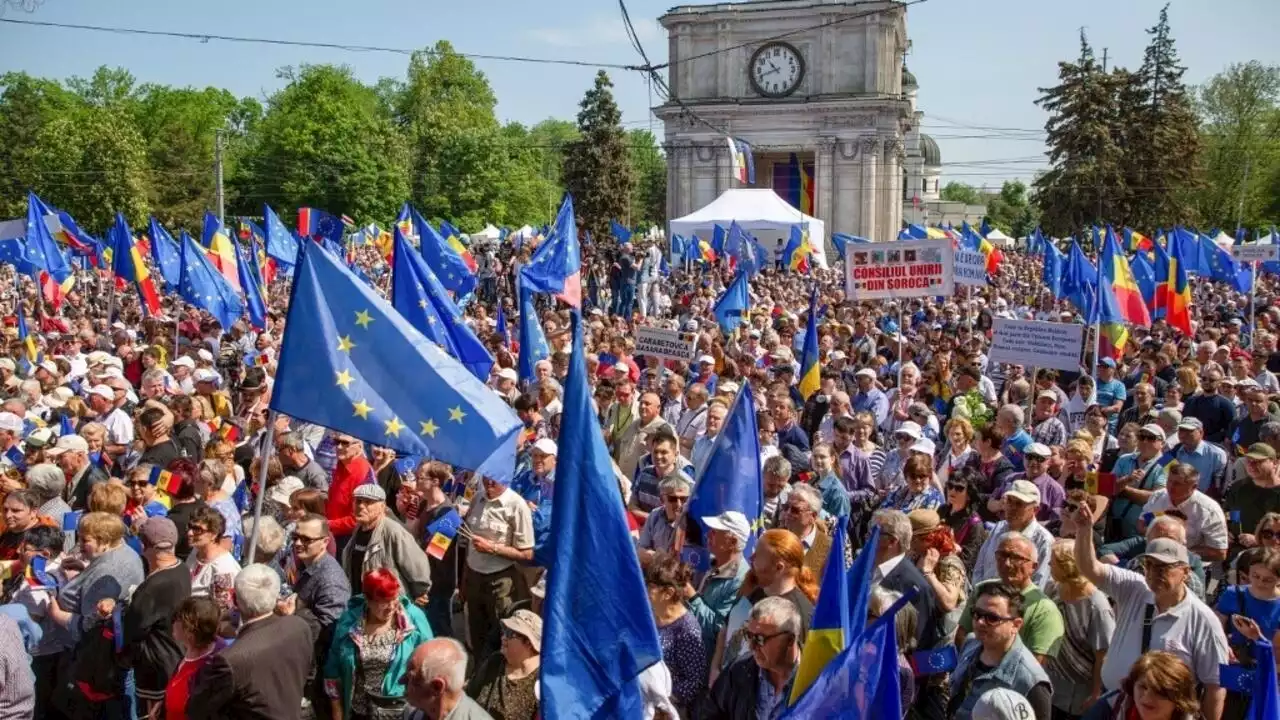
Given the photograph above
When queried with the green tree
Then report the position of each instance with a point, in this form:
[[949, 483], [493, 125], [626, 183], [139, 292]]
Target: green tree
[[1240, 128], [960, 192], [326, 142], [649, 168], [27, 105], [1085, 180], [459, 156], [1158, 132], [532, 191], [1011, 210], [597, 168]]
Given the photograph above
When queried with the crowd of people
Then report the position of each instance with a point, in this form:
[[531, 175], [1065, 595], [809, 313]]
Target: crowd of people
[[1094, 544]]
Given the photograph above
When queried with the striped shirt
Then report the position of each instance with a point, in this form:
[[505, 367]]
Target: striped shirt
[[17, 683]]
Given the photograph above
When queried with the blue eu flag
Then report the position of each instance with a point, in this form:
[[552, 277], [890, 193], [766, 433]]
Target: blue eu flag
[[730, 478], [533, 341], [165, 254], [350, 362], [733, 304], [598, 633], [280, 243], [203, 286], [251, 284], [443, 260], [418, 295]]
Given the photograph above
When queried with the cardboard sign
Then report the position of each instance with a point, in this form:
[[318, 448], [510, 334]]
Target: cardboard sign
[[1033, 343], [970, 268], [666, 344], [1255, 253], [891, 270]]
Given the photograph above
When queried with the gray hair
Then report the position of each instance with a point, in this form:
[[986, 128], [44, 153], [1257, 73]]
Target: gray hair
[[448, 662], [153, 374], [780, 613], [778, 465], [1171, 525], [905, 621], [291, 440], [1015, 536], [1013, 413], [675, 483], [270, 535], [895, 524], [1269, 431], [257, 590], [809, 494], [46, 480]]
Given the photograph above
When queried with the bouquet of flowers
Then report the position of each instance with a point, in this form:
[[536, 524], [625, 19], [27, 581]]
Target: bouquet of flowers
[[973, 408]]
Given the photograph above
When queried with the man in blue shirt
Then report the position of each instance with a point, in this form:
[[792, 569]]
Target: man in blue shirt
[[869, 398], [1009, 420], [1110, 392], [1208, 459]]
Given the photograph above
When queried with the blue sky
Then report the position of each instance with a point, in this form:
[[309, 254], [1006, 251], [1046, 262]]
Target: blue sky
[[979, 62]]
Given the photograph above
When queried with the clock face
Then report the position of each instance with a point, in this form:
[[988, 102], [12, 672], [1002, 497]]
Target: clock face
[[776, 70]]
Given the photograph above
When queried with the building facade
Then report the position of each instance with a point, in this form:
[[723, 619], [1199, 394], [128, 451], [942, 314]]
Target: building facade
[[822, 106]]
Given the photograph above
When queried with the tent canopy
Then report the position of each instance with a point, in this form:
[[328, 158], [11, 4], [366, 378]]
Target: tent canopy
[[488, 233], [999, 239], [758, 211]]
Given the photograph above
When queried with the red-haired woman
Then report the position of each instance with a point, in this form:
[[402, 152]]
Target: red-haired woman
[[372, 642]]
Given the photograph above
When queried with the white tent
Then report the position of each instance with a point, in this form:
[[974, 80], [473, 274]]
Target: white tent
[[522, 234], [999, 239], [489, 233], [761, 213]]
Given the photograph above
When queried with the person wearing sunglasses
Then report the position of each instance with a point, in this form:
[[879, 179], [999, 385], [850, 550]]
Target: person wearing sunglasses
[[1267, 533], [960, 513], [759, 684], [1042, 628], [996, 657]]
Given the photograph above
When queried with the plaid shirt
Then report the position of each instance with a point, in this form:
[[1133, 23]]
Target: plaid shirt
[[1050, 432]]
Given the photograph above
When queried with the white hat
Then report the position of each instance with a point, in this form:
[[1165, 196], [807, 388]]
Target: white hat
[[104, 391], [1001, 704], [728, 386], [280, 492], [707, 360], [58, 397], [97, 357], [204, 355], [69, 443], [924, 446], [184, 361], [8, 364], [837, 355], [732, 522], [546, 446], [909, 428], [1024, 490], [1040, 450], [508, 374], [11, 422], [868, 372], [49, 366], [206, 375]]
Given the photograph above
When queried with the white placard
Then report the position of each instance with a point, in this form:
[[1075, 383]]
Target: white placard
[[666, 344], [970, 268], [1255, 253], [1036, 344], [917, 268]]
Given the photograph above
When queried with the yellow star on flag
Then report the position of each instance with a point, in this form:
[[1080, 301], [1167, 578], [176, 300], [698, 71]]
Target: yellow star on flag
[[363, 409], [394, 426], [363, 318], [345, 344], [422, 303], [456, 414], [344, 379], [429, 427]]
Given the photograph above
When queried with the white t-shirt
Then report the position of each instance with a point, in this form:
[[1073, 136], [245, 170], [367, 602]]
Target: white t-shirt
[[202, 575], [119, 427]]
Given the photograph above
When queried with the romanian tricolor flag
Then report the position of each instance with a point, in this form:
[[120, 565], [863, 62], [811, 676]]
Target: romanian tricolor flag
[[453, 238], [810, 371], [128, 266], [1178, 294], [221, 251], [1161, 262], [1135, 241], [708, 255], [164, 481], [1114, 270], [839, 616], [796, 254], [24, 335], [229, 432], [994, 255]]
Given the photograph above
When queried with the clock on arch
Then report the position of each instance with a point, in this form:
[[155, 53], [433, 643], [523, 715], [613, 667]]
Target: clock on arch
[[776, 69]]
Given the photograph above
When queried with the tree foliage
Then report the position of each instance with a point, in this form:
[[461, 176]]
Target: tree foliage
[[1011, 210], [649, 167], [597, 167], [1239, 112], [960, 192]]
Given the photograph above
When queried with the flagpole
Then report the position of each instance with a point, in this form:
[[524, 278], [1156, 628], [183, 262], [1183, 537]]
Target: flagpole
[[267, 444], [1253, 299], [902, 329]]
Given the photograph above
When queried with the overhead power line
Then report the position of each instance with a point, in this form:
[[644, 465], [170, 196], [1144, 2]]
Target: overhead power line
[[206, 37]]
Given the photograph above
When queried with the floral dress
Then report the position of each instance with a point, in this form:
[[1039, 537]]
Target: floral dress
[[375, 658]]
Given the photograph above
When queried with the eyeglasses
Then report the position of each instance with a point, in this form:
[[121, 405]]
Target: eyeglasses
[[197, 529], [142, 483], [1035, 459], [797, 509], [758, 640], [676, 499], [344, 443], [303, 539], [957, 487], [509, 634], [986, 617], [1009, 557]]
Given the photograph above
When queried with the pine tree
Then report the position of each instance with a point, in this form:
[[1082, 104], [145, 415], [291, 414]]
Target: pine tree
[[1085, 181], [1162, 164], [597, 167]]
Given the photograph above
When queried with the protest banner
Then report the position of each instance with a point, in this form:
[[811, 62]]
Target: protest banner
[[666, 344], [970, 268], [1255, 253], [905, 269], [1036, 344]]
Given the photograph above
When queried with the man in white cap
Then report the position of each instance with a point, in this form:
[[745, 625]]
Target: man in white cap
[[535, 484], [904, 437], [710, 602], [870, 398], [182, 369], [71, 453], [214, 402], [103, 401], [706, 373], [505, 380], [380, 542], [1021, 503], [11, 430], [1052, 495]]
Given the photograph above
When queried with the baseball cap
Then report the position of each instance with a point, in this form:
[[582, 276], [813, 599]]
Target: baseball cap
[[1001, 704], [1039, 450], [160, 533], [837, 355], [40, 438], [69, 443], [1024, 490], [8, 364], [908, 428], [1166, 551], [11, 422], [924, 446], [370, 491], [508, 374], [103, 391], [546, 446], [184, 361], [1107, 362], [1261, 451], [527, 624], [1152, 430], [1190, 423], [867, 372], [732, 522], [49, 366], [1048, 394], [706, 360]]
